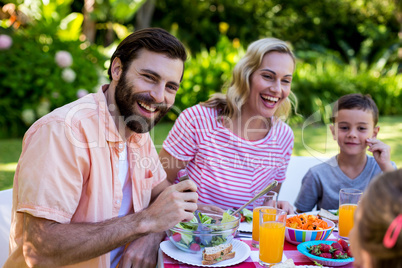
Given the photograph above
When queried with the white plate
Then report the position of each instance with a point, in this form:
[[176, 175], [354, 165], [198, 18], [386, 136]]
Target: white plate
[[246, 227], [242, 253]]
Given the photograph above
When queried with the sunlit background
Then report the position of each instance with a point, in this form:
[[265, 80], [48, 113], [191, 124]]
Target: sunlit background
[[53, 52]]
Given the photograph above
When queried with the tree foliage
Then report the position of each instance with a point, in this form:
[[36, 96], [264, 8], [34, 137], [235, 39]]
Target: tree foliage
[[363, 30], [342, 46]]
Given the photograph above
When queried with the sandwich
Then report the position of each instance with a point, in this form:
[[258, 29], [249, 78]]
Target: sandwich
[[286, 264], [328, 215], [212, 255]]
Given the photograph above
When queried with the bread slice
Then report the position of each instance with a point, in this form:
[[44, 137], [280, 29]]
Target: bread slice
[[212, 255], [328, 215], [286, 264], [228, 256]]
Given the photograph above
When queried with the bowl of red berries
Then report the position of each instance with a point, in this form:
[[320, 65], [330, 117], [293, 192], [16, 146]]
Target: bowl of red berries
[[329, 253]]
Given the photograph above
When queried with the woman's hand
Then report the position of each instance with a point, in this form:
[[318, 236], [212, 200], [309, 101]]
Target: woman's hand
[[208, 208]]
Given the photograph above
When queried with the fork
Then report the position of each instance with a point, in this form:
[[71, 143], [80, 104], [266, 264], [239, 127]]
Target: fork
[[201, 229]]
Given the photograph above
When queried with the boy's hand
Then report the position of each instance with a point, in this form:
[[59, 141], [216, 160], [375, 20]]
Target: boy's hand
[[286, 206], [381, 153]]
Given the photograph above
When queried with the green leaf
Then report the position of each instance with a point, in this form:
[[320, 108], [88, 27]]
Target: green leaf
[[124, 10], [70, 27]]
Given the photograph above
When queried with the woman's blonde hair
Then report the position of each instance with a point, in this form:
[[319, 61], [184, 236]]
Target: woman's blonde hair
[[239, 89]]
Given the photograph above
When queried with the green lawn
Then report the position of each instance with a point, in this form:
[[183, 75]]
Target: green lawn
[[310, 140]]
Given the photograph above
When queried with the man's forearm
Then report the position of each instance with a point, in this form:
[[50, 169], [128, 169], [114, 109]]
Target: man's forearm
[[50, 244]]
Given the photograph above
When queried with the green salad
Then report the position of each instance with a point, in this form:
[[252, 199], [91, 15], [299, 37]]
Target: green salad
[[246, 215], [195, 241], [336, 213]]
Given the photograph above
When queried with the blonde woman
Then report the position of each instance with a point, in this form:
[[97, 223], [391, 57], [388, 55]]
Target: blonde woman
[[235, 144]]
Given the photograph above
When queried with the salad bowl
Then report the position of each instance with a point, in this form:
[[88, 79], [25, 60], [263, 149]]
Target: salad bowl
[[215, 229]]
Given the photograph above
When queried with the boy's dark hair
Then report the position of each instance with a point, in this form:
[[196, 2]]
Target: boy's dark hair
[[355, 101], [153, 39]]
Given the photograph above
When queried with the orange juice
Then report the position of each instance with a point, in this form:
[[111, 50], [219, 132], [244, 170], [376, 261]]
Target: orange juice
[[346, 220], [256, 222], [272, 238]]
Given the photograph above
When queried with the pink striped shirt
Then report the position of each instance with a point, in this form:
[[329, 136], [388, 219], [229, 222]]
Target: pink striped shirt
[[226, 168]]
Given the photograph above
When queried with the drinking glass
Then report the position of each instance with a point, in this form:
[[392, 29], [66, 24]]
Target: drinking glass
[[269, 200], [348, 200], [272, 236]]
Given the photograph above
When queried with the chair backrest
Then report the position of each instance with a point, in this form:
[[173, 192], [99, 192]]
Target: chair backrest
[[298, 167], [6, 202]]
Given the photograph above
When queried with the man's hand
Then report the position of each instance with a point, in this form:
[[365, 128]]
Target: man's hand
[[381, 153], [142, 252], [175, 204], [286, 206]]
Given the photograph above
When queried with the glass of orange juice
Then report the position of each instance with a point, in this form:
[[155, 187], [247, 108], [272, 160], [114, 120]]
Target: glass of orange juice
[[272, 236], [348, 200], [269, 200]]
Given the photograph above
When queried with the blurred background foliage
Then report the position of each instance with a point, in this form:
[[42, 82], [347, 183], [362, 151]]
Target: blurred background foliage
[[342, 46]]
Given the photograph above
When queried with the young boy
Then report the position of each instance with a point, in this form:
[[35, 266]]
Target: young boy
[[354, 127]]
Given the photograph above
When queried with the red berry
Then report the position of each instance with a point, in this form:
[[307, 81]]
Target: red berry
[[326, 248], [314, 250], [326, 255], [176, 237], [343, 243], [336, 246], [242, 218], [339, 254], [195, 247], [349, 252]]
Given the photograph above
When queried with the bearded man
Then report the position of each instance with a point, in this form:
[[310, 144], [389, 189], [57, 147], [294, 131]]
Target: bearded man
[[89, 190]]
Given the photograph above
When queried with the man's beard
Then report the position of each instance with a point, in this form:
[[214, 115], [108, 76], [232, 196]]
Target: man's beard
[[126, 100]]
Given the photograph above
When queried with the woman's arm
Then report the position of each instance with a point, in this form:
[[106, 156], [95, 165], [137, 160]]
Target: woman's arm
[[171, 165]]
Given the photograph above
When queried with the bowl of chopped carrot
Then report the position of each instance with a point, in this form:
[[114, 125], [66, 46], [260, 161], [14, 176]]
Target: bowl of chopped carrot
[[302, 228]]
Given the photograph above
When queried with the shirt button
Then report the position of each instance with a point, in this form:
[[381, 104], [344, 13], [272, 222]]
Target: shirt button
[[118, 202], [120, 145]]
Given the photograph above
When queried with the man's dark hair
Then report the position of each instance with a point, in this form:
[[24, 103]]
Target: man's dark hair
[[355, 101], [153, 39]]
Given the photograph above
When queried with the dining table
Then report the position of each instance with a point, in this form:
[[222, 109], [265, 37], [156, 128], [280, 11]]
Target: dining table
[[289, 252]]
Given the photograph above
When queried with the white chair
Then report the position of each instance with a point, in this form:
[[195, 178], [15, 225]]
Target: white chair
[[298, 167], [6, 202]]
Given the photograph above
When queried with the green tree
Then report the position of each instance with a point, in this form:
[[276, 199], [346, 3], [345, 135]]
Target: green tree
[[356, 30]]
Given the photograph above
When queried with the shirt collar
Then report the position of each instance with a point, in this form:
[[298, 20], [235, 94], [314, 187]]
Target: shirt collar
[[107, 123]]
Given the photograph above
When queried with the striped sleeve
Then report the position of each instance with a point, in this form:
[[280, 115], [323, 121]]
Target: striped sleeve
[[181, 141]]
